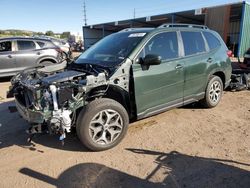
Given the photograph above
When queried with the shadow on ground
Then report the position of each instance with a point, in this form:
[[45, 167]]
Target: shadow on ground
[[5, 79], [177, 170], [193, 106]]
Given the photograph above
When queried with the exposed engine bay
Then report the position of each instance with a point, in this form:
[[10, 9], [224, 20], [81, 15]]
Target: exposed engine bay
[[49, 97]]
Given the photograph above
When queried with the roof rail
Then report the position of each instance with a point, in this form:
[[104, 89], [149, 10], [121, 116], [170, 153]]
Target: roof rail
[[135, 29], [183, 25]]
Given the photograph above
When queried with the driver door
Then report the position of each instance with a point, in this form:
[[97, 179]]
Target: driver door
[[160, 86]]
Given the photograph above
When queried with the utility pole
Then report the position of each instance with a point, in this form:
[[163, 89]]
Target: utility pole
[[84, 13], [134, 13]]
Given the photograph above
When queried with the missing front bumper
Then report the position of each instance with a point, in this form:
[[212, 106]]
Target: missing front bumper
[[29, 115]]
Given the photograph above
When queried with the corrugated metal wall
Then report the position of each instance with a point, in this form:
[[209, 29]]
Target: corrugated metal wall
[[234, 28], [217, 19], [233, 37], [91, 36], [245, 30]]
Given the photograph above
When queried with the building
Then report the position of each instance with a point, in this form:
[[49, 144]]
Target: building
[[231, 21]]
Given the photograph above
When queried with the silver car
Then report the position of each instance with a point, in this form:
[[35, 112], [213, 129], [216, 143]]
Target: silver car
[[62, 44], [19, 53]]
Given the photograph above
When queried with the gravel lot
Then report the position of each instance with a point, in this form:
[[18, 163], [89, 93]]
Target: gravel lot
[[185, 147]]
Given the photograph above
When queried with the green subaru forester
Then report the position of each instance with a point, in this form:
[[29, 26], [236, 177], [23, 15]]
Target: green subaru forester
[[126, 76]]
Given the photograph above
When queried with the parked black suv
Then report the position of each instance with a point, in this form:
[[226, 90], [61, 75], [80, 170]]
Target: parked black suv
[[19, 53]]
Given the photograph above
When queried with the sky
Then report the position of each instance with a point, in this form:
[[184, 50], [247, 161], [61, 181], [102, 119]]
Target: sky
[[67, 15]]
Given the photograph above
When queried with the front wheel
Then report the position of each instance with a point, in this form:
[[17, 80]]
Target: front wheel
[[213, 93], [102, 124]]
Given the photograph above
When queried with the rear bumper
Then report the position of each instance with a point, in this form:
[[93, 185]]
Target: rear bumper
[[29, 115]]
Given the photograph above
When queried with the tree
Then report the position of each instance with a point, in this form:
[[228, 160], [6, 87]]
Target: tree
[[49, 33], [40, 33], [65, 35]]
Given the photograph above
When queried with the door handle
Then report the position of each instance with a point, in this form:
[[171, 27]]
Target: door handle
[[38, 53], [210, 60], [178, 67], [9, 56]]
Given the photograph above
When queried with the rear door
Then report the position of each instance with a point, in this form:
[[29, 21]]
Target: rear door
[[195, 66], [160, 86], [7, 58], [27, 54]]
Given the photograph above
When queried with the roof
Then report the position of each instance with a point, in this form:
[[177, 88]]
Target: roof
[[23, 38], [141, 30], [175, 27], [188, 16]]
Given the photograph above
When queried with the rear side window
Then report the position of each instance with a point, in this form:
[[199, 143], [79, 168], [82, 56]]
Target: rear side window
[[193, 42], [45, 44], [163, 44], [41, 44], [212, 41], [26, 45], [5, 46]]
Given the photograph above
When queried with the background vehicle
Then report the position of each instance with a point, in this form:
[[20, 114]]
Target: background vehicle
[[77, 46], [19, 53], [241, 74], [126, 76], [62, 44]]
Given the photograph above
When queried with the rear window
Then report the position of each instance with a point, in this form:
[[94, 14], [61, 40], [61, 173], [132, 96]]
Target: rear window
[[26, 45], [193, 42], [5, 46], [212, 41]]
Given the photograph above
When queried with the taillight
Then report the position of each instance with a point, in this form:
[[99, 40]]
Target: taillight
[[59, 50], [229, 53]]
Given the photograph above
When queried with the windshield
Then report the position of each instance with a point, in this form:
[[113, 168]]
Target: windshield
[[111, 50]]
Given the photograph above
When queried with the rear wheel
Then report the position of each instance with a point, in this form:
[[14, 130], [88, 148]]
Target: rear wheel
[[102, 124], [213, 93], [46, 63]]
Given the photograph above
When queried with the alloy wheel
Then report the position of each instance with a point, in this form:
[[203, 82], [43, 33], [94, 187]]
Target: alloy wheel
[[215, 92], [105, 127]]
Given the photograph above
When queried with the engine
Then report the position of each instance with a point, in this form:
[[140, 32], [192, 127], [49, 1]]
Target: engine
[[51, 100]]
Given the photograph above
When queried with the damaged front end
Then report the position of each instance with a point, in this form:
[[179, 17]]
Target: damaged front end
[[49, 99]]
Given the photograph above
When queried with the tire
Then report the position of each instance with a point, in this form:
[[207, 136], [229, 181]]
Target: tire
[[102, 124], [213, 92], [46, 63]]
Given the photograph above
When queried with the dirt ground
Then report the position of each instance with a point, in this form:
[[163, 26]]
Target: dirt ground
[[185, 147]]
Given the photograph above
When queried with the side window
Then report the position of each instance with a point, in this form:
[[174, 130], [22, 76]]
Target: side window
[[5, 46], [212, 41], [164, 45], [41, 44], [193, 42], [26, 45]]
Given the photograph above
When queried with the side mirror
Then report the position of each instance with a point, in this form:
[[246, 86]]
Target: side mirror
[[151, 59]]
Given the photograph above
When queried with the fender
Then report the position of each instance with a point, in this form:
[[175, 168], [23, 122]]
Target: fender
[[218, 72]]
